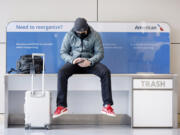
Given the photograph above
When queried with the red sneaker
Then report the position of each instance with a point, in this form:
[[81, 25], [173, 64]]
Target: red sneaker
[[60, 110], [108, 110]]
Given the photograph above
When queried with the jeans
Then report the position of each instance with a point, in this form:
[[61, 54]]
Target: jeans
[[98, 69]]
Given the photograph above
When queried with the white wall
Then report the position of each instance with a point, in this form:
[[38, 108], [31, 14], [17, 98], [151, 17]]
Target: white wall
[[108, 10], [44, 10], [2, 72], [143, 10]]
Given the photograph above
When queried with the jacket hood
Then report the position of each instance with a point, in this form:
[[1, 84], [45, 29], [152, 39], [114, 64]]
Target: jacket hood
[[72, 32]]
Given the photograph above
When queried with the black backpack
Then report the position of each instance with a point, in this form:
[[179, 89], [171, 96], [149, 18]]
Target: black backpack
[[25, 65]]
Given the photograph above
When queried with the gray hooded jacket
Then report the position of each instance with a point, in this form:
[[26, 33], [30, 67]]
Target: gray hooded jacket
[[90, 47]]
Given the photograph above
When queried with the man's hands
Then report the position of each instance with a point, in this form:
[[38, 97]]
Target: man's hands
[[82, 62], [77, 60], [85, 63]]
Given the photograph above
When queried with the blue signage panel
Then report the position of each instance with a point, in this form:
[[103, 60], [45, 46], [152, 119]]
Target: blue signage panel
[[128, 47]]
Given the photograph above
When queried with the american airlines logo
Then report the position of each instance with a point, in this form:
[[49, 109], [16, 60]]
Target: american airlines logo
[[149, 27], [160, 27]]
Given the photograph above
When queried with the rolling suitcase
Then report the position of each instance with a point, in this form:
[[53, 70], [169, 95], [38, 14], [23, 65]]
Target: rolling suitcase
[[37, 104]]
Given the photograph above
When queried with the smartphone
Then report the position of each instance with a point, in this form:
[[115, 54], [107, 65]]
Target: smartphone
[[80, 62]]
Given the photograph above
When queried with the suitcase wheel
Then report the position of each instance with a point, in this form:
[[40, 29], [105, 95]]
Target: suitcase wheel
[[27, 126], [47, 127]]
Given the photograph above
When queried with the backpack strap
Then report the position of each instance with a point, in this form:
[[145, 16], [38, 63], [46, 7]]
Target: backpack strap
[[12, 70]]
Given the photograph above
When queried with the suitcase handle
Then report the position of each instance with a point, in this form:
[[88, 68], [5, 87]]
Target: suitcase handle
[[37, 95], [32, 75]]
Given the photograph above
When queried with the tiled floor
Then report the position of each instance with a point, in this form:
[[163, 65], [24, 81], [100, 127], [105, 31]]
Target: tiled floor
[[90, 130]]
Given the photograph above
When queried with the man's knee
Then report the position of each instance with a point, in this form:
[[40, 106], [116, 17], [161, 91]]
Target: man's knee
[[105, 72], [62, 72]]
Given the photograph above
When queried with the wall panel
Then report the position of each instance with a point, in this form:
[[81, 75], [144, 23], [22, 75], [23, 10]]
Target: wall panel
[[44, 10]]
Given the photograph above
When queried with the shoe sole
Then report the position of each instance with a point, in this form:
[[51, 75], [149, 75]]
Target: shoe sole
[[108, 114], [59, 114]]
